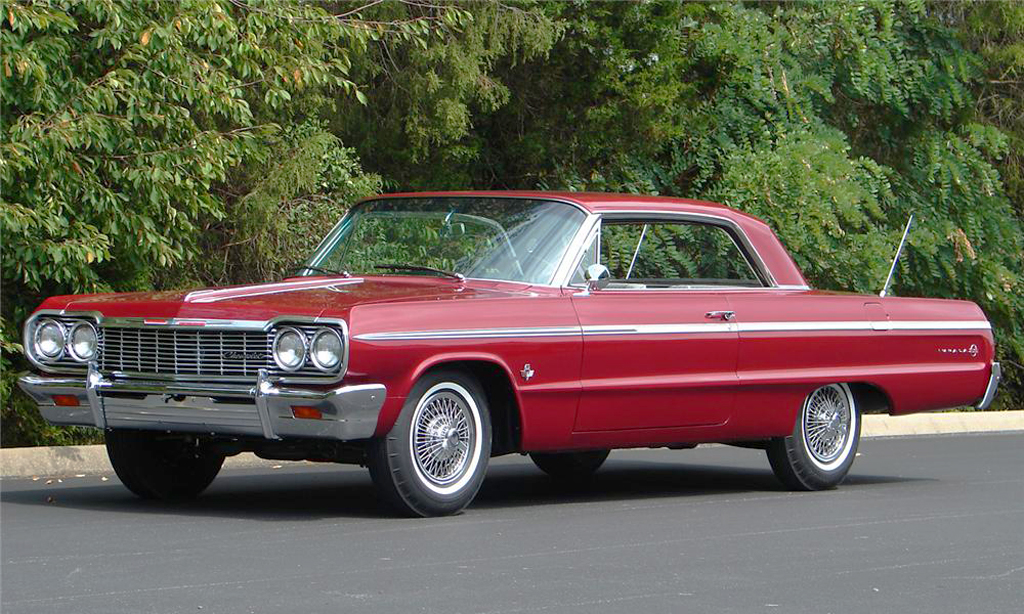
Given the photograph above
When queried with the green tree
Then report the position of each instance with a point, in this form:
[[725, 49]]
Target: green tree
[[128, 128], [832, 121]]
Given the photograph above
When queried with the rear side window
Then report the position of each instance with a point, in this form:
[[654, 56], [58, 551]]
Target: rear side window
[[667, 254]]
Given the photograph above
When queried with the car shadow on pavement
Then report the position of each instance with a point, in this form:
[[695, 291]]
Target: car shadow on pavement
[[631, 480], [328, 492]]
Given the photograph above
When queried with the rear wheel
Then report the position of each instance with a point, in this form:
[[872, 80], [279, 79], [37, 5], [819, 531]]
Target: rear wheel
[[433, 461], [819, 452], [157, 466], [570, 465]]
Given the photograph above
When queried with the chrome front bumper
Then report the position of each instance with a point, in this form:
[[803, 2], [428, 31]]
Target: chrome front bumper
[[993, 385], [263, 409]]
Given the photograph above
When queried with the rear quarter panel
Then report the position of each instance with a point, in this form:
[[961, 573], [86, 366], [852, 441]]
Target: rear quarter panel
[[887, 343]]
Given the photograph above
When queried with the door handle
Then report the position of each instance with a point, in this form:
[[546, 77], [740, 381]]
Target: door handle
[[720, 315]]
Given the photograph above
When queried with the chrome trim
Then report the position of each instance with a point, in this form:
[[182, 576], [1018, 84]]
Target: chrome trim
[[993, 385], [473, 333], [320, 251], [747, 245], [61, 349], [312, 343], [262, 391], [189, 323], [720, 315], [350, 412], [273, 348], [93, 381], [667, 329], [594, 234], [659, 329], [575, 250], [761, 327], [70, 343], [102, 322], [224, 294], [28, 341]]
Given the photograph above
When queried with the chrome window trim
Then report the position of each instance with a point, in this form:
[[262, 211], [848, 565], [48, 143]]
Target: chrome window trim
[[321, 249], [102, 322], [745, 244]]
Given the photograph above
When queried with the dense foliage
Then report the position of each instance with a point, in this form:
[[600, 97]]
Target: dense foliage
[[171, 144]]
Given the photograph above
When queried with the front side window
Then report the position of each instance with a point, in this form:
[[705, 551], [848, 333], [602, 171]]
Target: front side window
[[489, 238], [659, 253]]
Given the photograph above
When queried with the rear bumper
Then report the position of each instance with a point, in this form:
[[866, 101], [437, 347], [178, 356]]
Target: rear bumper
[[262, 410], [993, 385]]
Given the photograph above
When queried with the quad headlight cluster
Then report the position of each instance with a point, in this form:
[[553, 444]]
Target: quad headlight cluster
[[53, 340], [292, 349]]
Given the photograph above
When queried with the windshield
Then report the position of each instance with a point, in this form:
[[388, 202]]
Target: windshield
[[488, 238]]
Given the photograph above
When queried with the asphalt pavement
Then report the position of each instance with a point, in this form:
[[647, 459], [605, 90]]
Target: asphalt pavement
[[923, 524]]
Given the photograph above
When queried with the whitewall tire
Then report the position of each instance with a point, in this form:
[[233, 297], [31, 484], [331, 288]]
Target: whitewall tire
[[819, 452], [433, 461]]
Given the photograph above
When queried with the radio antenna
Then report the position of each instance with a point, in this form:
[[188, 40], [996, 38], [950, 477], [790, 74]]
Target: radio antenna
[[899, 250]]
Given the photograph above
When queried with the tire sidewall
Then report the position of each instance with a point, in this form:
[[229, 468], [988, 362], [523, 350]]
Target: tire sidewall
[[821, 474], [417, 492]]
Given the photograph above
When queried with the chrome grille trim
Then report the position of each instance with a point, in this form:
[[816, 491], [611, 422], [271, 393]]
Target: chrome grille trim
[[189, 349], [64, 364]]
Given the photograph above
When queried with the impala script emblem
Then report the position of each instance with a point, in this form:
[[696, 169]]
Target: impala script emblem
[[236, 355], [972, 350]]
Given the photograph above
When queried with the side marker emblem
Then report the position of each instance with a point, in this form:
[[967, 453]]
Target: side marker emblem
[[527, 372]]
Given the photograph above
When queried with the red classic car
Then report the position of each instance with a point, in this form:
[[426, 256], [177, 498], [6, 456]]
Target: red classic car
[[430, 332]]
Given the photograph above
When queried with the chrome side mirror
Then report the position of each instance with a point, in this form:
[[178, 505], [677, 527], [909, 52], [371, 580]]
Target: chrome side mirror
[[597, 276]]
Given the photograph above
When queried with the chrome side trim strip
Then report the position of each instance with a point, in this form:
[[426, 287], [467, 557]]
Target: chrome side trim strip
[[762, 327], [473, 333], [668, 329], [660, 329]]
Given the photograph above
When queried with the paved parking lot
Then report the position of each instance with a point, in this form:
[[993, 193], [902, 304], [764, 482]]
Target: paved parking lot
[[924, 524]]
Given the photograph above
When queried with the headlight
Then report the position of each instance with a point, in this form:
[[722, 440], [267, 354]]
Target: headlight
[[49, 339], [290, 349], [83, 342], [326, 349]]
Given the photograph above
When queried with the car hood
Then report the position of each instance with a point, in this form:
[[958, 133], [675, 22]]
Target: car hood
[[307, 296]]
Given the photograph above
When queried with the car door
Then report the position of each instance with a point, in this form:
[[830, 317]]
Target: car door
[[659, 346]]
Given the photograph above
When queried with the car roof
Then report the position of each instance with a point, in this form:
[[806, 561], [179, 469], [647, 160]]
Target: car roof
[[595, 202]]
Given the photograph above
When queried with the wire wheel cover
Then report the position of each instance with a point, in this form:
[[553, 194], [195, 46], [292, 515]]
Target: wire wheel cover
[[443, 435], [827, 420]]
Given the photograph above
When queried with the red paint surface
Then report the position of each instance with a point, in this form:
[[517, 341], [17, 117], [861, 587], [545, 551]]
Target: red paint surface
[[624, 390]]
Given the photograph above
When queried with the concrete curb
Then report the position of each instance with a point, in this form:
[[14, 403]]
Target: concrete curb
[[60, 461]]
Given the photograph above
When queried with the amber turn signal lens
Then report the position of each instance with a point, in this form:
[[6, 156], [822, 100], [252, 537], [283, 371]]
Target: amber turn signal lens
[[65, 400], [306, 412]]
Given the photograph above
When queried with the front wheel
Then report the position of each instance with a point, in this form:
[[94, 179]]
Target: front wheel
[[819, 452], [433, 461], [154, 465]]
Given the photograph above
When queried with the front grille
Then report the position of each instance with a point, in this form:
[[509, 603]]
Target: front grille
[[187, 352]]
